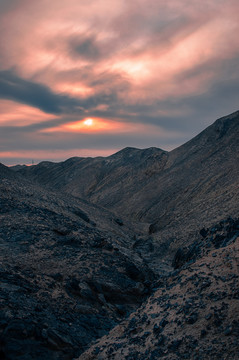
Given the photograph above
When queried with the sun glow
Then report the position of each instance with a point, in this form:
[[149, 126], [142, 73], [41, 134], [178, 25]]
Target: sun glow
[[88, 122], [93, 125], [89, 125]]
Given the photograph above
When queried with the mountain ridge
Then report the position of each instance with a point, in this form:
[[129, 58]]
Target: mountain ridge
[[169, 193]]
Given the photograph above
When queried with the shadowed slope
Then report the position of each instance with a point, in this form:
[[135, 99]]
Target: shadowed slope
[[63, 261], [105, 181]]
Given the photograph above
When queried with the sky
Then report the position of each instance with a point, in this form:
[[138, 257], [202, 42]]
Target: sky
[[90, 77]]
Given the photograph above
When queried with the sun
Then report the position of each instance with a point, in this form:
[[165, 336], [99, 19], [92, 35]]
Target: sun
[[88, 122]]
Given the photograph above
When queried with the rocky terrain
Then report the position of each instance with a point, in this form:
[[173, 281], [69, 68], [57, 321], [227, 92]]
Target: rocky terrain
[[68, 274], [118, 257], [194, 311]]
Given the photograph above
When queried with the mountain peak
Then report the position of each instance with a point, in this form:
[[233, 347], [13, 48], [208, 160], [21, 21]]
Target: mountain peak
[[226, 123], [136, 152]]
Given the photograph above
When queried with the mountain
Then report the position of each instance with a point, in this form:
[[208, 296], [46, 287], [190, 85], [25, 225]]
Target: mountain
[[132, 256], [170, 194], [101, 180], [68, 273]]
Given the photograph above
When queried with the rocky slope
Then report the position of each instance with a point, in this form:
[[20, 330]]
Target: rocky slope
[[106, 181], [193, 313], [68, 274]]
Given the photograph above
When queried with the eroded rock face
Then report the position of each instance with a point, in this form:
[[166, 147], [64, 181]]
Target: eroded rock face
[[218, 236], [193, 313]]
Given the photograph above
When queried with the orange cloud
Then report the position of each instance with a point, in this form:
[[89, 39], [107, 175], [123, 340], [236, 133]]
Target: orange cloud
[[16, 114], [75, 89]]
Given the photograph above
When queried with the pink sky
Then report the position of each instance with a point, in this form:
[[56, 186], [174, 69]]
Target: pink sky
[[148, 73]]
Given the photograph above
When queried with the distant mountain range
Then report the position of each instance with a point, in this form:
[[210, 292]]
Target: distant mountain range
[[89, 241]]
